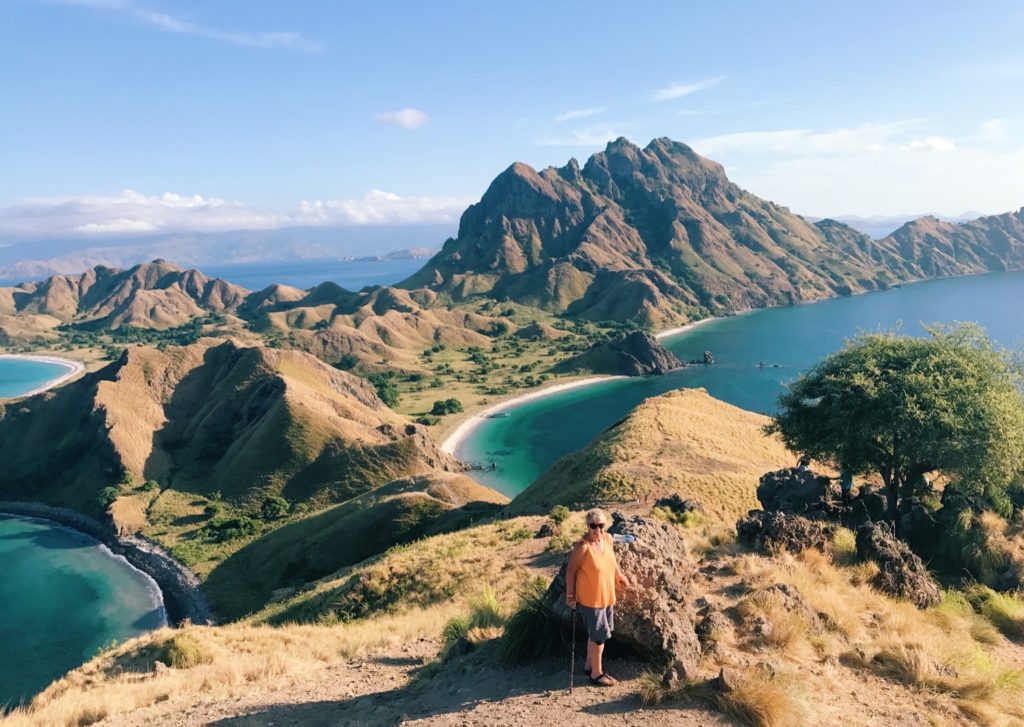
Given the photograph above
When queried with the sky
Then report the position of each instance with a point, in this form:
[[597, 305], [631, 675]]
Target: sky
[[139, 116]]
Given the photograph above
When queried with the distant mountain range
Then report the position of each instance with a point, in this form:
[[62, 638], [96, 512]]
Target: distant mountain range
[[41, 258], [878, 226], [660, 234]]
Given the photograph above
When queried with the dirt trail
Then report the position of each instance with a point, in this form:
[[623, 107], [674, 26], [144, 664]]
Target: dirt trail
[[382, 689]]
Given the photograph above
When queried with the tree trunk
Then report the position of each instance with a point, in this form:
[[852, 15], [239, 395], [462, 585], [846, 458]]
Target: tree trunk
[[892, 495]]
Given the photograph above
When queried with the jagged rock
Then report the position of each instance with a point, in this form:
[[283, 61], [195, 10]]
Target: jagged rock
[[462, 646], [917, 525], [548, 530], [679, 504], [796, 491], [774, 532], [727, 681], [633, 354], [803, 492], [711, 627], [901, 573], [160, 669], [655, 618], [708, 358]]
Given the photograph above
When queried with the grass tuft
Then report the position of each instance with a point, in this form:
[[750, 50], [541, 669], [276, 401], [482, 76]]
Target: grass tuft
[[532, 632], [185, 651], [1003, 610]]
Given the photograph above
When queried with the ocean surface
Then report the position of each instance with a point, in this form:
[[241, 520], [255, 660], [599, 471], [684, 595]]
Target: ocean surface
[[349, 274], [63, 596], [19, 377], [787, 341]]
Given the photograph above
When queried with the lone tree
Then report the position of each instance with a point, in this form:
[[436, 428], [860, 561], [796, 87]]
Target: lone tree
[[904, 406]]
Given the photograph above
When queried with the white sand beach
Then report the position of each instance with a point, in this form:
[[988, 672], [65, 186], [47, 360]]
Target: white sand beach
[[74, 368], [473, 421], [683, 329]]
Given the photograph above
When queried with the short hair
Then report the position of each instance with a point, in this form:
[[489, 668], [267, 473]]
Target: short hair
[[595, 515]]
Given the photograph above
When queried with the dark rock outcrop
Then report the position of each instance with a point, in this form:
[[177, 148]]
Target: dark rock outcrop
[[633, 354], [678, 504], [816, 497], [655, 619], [901, 573], [774, 532]]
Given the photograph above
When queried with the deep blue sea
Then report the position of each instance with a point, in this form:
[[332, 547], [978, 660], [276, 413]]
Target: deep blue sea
[[349, 274], [786, 340]]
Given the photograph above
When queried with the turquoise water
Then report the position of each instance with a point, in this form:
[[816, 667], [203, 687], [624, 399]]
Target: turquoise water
[[18, 377], [787, 340], [63, 596]]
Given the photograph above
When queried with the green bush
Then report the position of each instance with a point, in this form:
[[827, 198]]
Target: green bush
[[428, 420], [221, 529], [106, 497], [455, 629], [484, 610], [558, 514], [274, 507], [1003, 610], [347, 362]]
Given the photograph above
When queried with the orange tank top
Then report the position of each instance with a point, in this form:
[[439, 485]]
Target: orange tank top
[[595, 579]]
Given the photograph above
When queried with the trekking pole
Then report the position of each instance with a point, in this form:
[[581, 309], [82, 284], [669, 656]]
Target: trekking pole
[[572, 650]]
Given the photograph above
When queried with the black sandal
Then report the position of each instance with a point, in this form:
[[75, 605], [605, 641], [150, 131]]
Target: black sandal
[[602, 680]]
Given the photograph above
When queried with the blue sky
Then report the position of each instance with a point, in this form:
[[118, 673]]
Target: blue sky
[[146, 115]]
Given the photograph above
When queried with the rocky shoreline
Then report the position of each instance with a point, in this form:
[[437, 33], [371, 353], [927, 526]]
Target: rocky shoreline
[[181, 590]]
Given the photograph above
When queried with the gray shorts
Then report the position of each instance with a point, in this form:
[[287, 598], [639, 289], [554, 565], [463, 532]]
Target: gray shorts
[[600, 622]]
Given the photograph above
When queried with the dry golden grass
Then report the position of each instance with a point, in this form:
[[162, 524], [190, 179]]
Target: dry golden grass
[[684, 441], [772, 621], [213, 663], [759, 699]]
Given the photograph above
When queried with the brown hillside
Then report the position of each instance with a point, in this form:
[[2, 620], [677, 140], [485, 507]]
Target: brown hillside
[[684, 441], [210, 417], [151, 295]]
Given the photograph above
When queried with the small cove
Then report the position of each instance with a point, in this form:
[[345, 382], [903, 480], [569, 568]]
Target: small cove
[[787, 341]]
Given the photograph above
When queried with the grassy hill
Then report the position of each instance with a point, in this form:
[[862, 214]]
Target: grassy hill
[[317, 545], [684, 441]]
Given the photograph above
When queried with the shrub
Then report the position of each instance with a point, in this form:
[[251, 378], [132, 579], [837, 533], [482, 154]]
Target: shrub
[[455, 629], [518, 535], [106, 497], [221, 529], [274, 507], [532, 632], [184, 651], [428, 420], [347, 362], [150, 485], [484, 610], [558, 514]]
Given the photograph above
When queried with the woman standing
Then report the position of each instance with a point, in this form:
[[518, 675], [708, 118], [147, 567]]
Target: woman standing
[[590, 581]]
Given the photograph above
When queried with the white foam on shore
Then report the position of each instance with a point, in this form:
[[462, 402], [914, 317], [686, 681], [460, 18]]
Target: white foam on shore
[[73, 369], [474, 420]]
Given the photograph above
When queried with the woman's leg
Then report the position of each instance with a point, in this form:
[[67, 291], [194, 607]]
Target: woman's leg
[[594, 652]]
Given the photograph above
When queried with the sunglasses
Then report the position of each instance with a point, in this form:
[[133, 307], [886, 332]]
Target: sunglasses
[[594, 526]]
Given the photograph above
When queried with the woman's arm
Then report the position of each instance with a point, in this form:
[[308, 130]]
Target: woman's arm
[[575, 560]]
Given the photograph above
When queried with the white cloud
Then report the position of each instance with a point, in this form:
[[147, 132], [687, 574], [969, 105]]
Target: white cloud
[[932, 143], [406, 118], [585, 136], [867, 137], [679, 90], [993, 130], [171, 24], [131, 212], [875, 169], [578, 114]]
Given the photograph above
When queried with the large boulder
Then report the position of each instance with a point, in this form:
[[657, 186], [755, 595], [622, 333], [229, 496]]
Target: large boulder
[[901, 573], [814, 496], [655, 619], [633, 354], [774, 532], [797, 491]]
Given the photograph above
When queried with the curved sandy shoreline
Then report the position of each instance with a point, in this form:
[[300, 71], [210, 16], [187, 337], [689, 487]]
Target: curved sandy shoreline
[[453, 440], [74, 369], [473, 420]]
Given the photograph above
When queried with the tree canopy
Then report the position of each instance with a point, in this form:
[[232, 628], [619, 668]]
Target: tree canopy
[[904, 406]]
